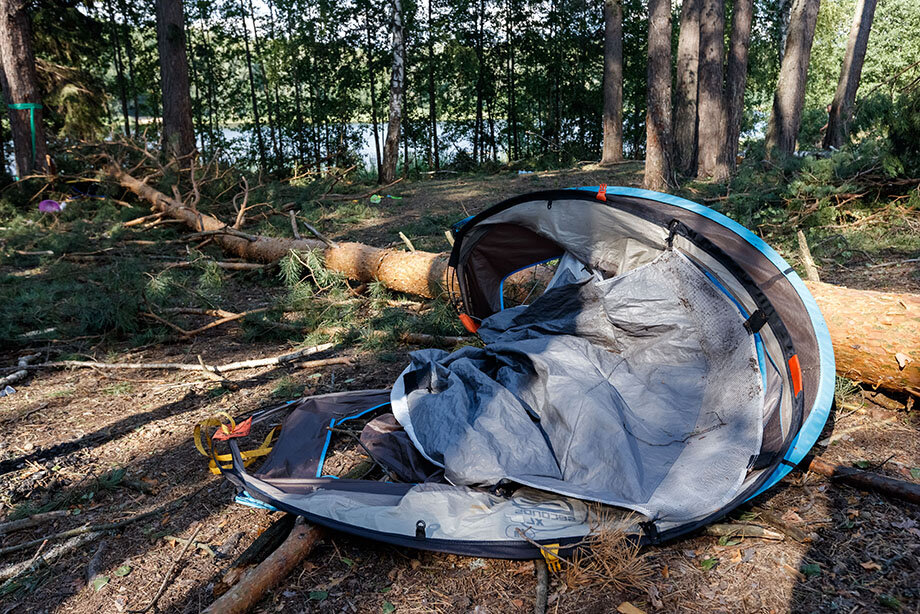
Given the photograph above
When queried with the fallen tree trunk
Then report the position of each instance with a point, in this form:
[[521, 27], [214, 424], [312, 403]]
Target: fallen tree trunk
[[875, 334]]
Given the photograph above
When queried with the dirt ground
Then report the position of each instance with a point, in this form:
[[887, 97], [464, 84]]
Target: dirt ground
[[64, 432]]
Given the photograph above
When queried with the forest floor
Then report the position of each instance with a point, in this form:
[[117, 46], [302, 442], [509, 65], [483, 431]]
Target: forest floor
[[67, 434]]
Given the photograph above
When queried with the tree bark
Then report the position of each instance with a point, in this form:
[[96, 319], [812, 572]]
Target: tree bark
[[178, 133], [688, 64], [783, 128], [20, 87], [742, 19], [874, 333], [711, 132], [658, 117], [842, 107], [612, 149], [397, 88]]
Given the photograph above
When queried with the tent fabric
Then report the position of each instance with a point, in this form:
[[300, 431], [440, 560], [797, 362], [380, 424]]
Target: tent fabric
[[641, 391], [633, 389]]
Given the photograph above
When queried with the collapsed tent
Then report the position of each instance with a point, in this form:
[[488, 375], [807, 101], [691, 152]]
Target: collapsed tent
[[664, 366]]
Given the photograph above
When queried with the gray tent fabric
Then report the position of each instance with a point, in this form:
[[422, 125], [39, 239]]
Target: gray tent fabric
[[641, 391], [385, 439]]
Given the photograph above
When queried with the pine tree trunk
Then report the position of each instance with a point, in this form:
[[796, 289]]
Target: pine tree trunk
[[685, 103], [20, 87], [842, 107], [294, 54], [658, 116], [178, 133], [129, 51], [786, 116], [274, 88], [742, 19], [514, 148], [260, 140], [711, 131], [195, 81], [478, 132], [397, 89], [119, 68], [371, 83], [612, 149], [270, 111], [434, 160]]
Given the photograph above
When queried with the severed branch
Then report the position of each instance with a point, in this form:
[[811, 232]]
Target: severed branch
[[233, 366], [253, 586], [811, 271], [20, 374], [31, 521], [241, 211], [865, 480]]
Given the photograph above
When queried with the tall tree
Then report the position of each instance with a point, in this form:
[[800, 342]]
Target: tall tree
[[739, 44], [20, 87], [434, 159], [260, 57], [789, 97], [514, 149], [842, 107], [178, 133], [685, 103], [371, 80], [711, 108], [612, 149], [119, 68], [478, 131], [397, 89], [129, 51], [260, 140], [658, 116]]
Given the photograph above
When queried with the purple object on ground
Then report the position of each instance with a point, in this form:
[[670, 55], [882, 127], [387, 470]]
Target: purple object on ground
[[50, 206]]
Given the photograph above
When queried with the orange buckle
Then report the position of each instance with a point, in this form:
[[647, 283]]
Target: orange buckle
[[602, 192], [468, 323]]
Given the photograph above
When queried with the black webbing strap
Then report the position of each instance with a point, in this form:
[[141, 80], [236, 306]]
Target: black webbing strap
[[755, 322]]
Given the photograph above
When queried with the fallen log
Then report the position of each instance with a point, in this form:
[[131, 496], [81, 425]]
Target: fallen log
[[866, 480], [266, 543], [253, 586], [875, 334]]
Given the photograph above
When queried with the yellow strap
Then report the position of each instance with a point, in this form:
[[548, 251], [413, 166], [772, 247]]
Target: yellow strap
[[551, 554], [227, 427]]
